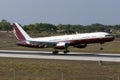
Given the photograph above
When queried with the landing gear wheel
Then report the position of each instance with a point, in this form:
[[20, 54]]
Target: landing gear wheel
[[101, 48], [66, 51], [55, 52]]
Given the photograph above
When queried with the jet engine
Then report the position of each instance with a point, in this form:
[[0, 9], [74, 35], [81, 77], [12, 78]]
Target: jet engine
[[61, 45]]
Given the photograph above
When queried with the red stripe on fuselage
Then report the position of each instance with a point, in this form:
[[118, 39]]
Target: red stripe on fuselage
[[92, 40]]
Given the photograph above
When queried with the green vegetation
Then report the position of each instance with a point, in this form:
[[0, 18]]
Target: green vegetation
[[4, 25], [31, 69], [45, 29]]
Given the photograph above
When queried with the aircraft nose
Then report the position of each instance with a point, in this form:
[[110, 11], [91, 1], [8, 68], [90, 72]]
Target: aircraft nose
[[110, 37]]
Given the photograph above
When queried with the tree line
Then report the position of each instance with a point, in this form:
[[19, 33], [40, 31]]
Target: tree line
[[45, 28]]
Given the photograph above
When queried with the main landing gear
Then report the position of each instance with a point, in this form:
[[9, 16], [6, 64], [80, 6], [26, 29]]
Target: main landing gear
[[56, 52], [65, 48], [66, 51]]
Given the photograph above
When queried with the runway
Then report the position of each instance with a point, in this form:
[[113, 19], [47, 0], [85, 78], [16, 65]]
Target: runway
[[70, 56]]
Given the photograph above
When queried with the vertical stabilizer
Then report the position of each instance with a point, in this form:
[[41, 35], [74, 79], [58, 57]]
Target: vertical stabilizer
[[19, 32]]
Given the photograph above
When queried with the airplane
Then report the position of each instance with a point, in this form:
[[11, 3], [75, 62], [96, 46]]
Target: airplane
[[60, 42]]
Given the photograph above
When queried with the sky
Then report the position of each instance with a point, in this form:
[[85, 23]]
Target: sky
[[84, 12]]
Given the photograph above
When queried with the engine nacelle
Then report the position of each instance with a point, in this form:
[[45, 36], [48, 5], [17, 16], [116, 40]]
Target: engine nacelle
[[61, 45], [80, 45]]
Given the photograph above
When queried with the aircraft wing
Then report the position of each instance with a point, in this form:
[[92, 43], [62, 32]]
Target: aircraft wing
[[42, 44]]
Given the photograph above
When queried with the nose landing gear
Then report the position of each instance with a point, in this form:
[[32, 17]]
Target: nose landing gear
[[101, 47]]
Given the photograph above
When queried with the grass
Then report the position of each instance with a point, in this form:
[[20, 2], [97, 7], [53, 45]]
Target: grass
[[33, 69]]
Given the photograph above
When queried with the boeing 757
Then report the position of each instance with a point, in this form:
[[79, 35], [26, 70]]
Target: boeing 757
[[60, 42]]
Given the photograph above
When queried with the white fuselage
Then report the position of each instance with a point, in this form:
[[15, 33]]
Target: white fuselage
[[66, 38]]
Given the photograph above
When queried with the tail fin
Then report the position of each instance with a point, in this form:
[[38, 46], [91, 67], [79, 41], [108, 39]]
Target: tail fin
[[19, 32]]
